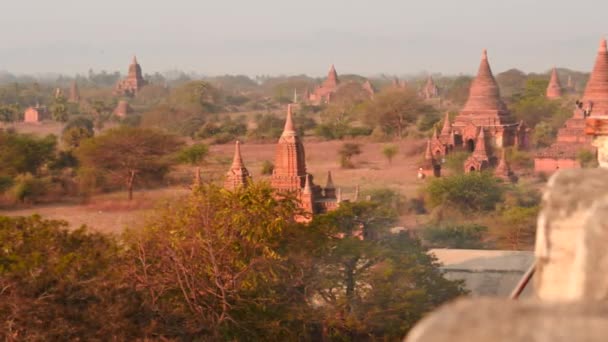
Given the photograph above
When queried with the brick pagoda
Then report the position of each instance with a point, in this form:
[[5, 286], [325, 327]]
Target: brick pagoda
[[289, 174], [322, 94], [133, 82], [483, 120], [571, 138], [554, 89], [238, 176], [430, 90]]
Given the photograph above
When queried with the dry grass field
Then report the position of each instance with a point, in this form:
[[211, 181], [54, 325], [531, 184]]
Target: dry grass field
[[113, 212]]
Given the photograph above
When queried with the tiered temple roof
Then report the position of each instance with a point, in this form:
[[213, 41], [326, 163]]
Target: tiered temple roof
[[133, 82]]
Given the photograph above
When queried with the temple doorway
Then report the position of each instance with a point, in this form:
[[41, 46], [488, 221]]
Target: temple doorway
[[470, 145]]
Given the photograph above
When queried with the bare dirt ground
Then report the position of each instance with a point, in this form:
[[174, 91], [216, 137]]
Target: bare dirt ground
[[112, 213]]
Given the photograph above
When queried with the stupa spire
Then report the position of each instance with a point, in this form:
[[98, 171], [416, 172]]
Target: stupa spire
[[237, 160], [481, 151], [447, 125], [330, 181], [554, 89], [289, 128], [484, 95], [502, 169], [307, 185], [596, 92], [238, 175], [290, 165]]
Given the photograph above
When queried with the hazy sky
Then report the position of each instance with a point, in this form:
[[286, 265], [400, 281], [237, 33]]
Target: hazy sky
[[290, 37]]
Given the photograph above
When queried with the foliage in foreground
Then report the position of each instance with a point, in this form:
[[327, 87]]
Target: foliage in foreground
[[219, 265]]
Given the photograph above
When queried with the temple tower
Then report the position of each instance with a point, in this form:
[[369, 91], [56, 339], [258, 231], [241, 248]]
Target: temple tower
[[554, 89], [430, 90], [330, 189], [332, 78], [133, 82], [479, 160], [502, 169], [289, 172], [595, 98], [238, 175], [485, 109]]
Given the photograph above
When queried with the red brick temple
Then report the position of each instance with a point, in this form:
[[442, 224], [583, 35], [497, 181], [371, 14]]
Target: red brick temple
[[483, 125], [571, 138], [554, 89], [322, 94], [133, 82], [289, 174], [430, 90], [238, 175]]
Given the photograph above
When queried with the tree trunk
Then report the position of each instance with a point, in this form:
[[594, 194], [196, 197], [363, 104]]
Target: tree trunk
[[130, 182]]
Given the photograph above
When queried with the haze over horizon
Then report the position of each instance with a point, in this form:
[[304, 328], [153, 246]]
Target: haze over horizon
[[277, 37]]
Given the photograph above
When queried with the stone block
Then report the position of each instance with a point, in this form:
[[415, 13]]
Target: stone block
[[572, 237], [484, 320]]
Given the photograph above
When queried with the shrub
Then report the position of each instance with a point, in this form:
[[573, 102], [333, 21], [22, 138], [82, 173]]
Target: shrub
[[456, 236], [469, 192], [347, 152], [389, 151], [27, 188], [194, 154], [587, 159]]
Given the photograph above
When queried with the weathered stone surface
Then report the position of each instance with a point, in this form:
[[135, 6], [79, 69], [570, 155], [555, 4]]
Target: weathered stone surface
[[503, 320], [572, 235]]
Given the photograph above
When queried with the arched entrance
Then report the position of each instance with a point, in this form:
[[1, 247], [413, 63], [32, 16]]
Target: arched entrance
[[470, 145]]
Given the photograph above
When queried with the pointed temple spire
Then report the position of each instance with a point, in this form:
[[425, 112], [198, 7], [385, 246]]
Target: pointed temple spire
[[435, 134], [502, 169], [481, 150], [332, 79], [330, 189], [596, 92], [484, 95], [307, 185], [238, 175], [289, 128], [447, 125], [134, 60], [330, 181], [290, 164], [554, 89]]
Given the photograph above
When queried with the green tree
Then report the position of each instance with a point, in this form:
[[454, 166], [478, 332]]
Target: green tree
[[455, 161], [543, 135], [194, 154], [475, 191], [515, 228], [59, 109], [395, 110], [347, 152], [124, 153], [372, 284], [389, 152], [587, 159], [455, 236], [22, 153], [72, 136]]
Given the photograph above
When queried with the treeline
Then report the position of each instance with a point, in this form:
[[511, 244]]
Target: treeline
[[219, 265]]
